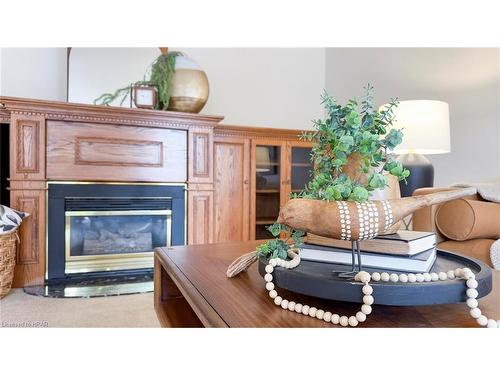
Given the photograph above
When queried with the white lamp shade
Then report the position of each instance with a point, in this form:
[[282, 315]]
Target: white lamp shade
[[425, 125]]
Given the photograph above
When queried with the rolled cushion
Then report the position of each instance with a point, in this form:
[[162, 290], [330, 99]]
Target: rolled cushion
[[464, 219]]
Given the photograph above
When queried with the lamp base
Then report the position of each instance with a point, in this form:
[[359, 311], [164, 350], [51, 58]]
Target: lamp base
[[421, 173]]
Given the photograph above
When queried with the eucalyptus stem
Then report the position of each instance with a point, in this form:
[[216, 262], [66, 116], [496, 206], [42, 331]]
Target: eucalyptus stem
[[355, 130]]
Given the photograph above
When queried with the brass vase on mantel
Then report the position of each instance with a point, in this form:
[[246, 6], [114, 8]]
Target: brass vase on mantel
[[190, 87]]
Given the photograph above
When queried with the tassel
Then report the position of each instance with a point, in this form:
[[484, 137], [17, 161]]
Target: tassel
[[241, 264]]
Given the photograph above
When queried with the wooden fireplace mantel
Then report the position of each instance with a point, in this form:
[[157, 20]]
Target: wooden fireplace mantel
[[77, 142]]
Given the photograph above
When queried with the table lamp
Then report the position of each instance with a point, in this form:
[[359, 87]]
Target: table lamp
[[426, 130]]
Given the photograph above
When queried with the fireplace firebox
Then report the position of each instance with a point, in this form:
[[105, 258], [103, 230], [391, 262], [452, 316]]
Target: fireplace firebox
[[97, 229]]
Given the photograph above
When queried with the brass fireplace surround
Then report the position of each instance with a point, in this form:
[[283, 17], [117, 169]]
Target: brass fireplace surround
[[111, 262]]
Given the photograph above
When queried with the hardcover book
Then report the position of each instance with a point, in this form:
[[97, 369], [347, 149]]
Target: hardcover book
[[421, 262], [404, 242]]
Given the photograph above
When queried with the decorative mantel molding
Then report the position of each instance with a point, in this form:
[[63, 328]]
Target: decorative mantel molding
[[257, 132], [4, 116], [62, 111]]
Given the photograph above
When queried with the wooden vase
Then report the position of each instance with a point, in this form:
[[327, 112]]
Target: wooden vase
[[354, 170]]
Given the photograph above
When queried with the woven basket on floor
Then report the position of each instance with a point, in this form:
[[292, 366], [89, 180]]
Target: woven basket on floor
[[7, 261]]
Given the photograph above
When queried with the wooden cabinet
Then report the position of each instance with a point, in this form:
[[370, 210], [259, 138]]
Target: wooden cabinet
[[278, 169], [255, 171]]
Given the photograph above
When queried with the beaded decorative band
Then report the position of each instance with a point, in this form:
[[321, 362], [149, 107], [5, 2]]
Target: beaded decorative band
[[345, 221], [387, 214], [368, 220], [369, 216]]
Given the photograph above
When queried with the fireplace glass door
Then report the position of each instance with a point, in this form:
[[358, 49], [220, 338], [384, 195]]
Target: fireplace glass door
[[114, 240]]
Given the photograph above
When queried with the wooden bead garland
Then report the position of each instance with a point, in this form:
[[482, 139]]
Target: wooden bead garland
[[368, 300], [312, 311]]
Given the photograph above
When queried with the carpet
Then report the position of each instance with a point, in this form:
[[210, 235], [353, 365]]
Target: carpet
[[19, 309]]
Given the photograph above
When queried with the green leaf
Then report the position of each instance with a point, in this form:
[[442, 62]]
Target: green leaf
[[275, 229], [353, 119], [263, 249], [367, 121], [391, 164], [394, 138], [282, 253], [377, 181], [359, 194], [347, 141], [297, 234], [397, 170]]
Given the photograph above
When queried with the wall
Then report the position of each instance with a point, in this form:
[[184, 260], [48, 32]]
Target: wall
[[275, 87], [468, 79], [38, 73], [280, 87], [94, 71]]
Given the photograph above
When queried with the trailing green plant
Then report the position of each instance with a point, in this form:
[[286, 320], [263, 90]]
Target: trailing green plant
[[277, 247], [355, 128], [162, 70]]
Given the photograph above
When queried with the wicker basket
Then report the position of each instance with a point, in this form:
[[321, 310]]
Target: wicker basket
[[7, 261]]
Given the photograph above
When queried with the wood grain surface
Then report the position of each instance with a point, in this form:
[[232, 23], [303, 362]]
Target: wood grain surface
[[30, 261], [231, 189], [198, 273], [105, 152]]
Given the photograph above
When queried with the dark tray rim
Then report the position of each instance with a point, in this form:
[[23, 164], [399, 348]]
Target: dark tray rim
[[386, 293]]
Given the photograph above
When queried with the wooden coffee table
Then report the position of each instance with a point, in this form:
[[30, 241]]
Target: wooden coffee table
[[191, 290]]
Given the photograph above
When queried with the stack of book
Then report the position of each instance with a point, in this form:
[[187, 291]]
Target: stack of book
[[406, 251]]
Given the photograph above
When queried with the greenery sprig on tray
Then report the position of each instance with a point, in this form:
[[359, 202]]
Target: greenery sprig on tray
[[351, 129], [277, 248], [162, 70]]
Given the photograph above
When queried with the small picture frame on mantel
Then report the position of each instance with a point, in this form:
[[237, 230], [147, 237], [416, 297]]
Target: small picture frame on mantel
[[144, 96]]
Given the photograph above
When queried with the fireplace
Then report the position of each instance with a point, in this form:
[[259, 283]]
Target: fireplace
[[110, 239], [97, 229]]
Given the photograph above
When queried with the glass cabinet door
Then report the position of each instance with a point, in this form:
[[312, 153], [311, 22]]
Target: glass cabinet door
[[267, 188], [301, 168]]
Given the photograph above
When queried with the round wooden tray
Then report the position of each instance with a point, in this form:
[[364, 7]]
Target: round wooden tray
[[317, 280]]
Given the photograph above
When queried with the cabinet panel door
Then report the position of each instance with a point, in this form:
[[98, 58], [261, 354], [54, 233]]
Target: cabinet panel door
[[232, 193], [200, 210], [30, 262], [27, 147], [268, 185], [300, 166]]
